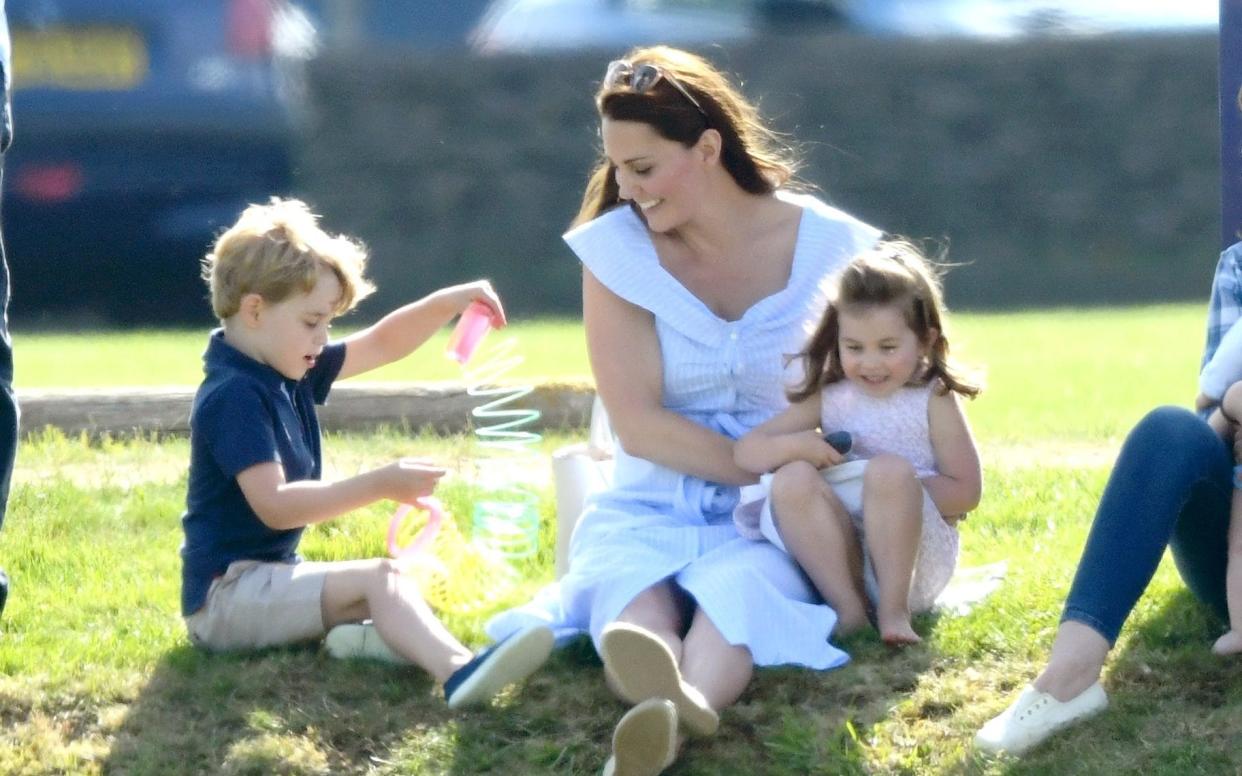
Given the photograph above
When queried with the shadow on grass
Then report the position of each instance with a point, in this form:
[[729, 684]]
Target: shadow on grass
[[788, 721], [292, 711], [296, 711], [810, 722]]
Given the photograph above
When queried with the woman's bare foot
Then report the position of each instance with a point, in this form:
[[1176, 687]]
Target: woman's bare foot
[[896, 630], [1229, 644]]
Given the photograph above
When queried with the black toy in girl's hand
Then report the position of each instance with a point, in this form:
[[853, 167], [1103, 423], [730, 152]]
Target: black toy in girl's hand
[[841, 441]]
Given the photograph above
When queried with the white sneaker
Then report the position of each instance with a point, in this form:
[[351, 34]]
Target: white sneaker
[[360, 640], [644, 667], [644, 742], [1035, 716]]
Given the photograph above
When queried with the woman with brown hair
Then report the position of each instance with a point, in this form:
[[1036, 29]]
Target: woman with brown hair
[[703, 271]]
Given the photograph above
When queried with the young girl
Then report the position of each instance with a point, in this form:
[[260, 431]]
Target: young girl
[[877, 367], [1220, 395]]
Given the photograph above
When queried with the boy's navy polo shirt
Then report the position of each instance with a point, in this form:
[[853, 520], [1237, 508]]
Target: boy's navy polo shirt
[[245, 413]]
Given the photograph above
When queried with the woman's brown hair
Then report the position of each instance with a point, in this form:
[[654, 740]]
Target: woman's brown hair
[[894, 272], [753, 154]]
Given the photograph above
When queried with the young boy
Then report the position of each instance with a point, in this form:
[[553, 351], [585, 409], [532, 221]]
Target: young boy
[[277, 280]]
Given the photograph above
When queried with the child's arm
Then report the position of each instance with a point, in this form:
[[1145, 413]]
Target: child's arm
[[790, 436], [402, 331], [959, 484], [283, 505]]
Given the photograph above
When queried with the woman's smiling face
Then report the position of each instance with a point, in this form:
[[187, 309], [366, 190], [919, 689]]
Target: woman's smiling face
[[656, 174]]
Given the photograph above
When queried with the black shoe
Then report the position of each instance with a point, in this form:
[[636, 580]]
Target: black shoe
[[4, 590]]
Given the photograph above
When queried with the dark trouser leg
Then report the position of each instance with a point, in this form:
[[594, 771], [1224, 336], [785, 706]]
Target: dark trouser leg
[[1172, 484], [8, 410], [8, 403]]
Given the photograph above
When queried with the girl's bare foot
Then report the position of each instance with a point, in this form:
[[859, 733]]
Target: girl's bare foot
[[849, 625], [896, 630], [1229, 644], [852, 614]]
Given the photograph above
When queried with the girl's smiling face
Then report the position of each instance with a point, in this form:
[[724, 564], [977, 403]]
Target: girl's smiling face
[[658, 175], [880, 353]]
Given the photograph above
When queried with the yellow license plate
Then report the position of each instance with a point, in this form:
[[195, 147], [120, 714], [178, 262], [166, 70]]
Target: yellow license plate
[[85, 58]]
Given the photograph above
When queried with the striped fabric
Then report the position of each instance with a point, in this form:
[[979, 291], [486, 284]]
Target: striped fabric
[[1225, 306], [1221, 368], [655, 523]]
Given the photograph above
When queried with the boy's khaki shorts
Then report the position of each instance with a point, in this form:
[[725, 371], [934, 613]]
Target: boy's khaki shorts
[[256, 604]]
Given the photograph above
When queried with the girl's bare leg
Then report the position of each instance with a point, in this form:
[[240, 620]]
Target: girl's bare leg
[[893, 524], [817, 532], [1231, 642]]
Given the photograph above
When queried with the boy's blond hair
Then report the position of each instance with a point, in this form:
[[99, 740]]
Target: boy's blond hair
[[277, 250]]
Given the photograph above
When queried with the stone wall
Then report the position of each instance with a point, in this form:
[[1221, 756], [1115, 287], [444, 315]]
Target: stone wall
[[1058, 172]]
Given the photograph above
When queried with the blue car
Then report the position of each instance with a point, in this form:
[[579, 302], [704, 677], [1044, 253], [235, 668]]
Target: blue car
[[142, 127]]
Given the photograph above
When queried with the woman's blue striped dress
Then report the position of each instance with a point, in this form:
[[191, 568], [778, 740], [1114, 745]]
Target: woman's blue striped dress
[[654, 523]]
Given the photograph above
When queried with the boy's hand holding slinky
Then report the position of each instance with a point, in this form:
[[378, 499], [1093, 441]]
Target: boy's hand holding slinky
[[459, 297], [408, 479]]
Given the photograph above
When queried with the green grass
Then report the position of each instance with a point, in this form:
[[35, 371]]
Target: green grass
[[550, 348], [96, 675]]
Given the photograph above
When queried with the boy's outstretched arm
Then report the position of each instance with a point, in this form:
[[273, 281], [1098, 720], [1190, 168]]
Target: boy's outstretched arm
[[283, 505], [403, 330]]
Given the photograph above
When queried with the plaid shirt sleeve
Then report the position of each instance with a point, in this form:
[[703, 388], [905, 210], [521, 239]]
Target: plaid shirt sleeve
[[1225, 307]]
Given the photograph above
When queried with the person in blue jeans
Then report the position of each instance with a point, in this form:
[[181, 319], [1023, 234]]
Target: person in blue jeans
[[1171, 487], [8, 403]]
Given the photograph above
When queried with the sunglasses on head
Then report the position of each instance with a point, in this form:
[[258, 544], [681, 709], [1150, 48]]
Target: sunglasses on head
[[642, 78]]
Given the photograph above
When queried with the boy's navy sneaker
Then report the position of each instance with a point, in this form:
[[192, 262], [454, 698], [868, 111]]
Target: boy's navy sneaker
[[509, 660], [4, 590]]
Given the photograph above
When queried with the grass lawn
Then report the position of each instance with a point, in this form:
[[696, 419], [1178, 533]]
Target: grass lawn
[[96, 674], [552, 348]]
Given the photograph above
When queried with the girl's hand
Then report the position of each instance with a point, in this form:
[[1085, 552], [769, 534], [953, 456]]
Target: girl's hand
[[479, 291], [408, 479], [816, 451]]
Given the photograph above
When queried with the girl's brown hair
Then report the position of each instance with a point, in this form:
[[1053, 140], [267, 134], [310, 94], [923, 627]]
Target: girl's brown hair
[[894, 272], [753, 154]]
